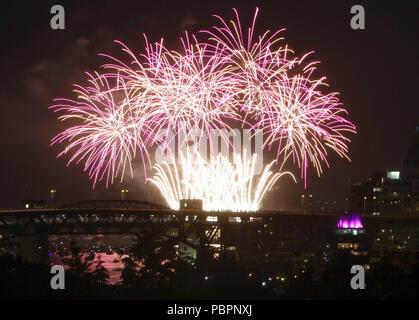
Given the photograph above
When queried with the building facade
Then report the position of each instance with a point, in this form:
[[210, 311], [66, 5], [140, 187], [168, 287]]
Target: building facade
[[394, 191]]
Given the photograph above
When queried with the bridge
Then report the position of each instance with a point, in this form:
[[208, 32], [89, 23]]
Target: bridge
[[193, 228]]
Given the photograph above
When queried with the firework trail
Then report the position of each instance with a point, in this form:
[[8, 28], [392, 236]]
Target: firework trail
[[187, 91], [196, 178], [281, 97], [304, 124], [110, 131], [255, 80], [255, 61]]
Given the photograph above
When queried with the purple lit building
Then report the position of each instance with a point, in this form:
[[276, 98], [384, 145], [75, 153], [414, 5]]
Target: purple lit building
[[351, 237], [350, 221]]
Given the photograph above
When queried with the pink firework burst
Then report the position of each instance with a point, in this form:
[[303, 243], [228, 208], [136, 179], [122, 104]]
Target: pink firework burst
[[110, 128], [233, 74]]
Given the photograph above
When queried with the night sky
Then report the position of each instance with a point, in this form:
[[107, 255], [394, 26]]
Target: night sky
[[375, 70]]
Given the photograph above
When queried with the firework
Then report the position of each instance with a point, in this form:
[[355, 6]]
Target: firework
[[256, 61], [256, 81], [221, 185], [110, 129], [279, 94], [304, 124], [186, 92]]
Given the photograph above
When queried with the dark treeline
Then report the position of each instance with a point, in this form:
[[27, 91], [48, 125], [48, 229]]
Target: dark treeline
[[153, 270]]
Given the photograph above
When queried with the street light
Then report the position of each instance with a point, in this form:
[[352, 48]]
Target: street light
[[124, 194]]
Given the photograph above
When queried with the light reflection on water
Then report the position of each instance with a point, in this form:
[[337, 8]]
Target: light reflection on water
[[109, 262]]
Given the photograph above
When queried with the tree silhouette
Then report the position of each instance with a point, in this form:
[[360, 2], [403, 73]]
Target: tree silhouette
[[100, 275], [78, 268], [129, 276], [156, 256]]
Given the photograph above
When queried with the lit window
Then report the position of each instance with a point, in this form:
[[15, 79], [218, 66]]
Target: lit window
[[393, 175]]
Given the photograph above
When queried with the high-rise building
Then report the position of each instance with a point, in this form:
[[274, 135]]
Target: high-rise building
[[411, 162], [394, 191], [410, 171]]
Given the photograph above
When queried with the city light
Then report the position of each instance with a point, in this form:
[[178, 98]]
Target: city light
[[393, 175]]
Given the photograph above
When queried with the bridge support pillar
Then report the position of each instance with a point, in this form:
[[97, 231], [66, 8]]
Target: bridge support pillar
[[34, 248]]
